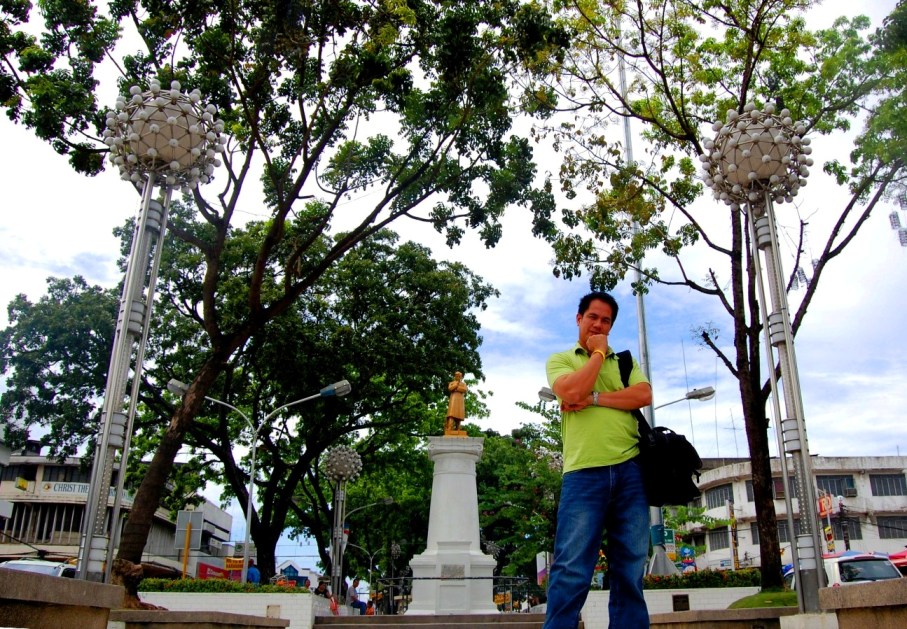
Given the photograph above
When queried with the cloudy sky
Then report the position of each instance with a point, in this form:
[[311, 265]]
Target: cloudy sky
[[850, 351]]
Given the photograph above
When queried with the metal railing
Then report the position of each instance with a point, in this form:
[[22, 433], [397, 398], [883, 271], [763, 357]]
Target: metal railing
[[393, 595]]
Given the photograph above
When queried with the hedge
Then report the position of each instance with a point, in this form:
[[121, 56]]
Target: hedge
[[747, 577], [215, 586]]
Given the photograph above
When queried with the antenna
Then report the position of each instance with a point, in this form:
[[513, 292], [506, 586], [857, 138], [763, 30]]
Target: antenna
[[735, 429], [717, 446]]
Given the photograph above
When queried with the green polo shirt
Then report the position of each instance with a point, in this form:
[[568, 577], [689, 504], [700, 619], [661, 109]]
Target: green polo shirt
[[596, 435]]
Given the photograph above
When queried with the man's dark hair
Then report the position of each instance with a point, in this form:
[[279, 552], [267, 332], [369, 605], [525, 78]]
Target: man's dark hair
[[601, 296]]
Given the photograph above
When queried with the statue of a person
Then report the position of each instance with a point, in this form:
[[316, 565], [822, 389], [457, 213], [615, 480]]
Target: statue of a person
[[456, 408]]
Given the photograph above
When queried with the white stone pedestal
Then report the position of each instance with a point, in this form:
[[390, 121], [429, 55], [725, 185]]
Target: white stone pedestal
[[453, 576]]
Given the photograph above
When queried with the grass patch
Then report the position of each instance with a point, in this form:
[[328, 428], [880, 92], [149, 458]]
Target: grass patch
[[767, 598]]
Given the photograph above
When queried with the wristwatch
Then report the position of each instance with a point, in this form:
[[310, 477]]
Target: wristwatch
[[595, 398]]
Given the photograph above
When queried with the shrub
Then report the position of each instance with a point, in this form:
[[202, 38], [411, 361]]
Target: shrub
[[214, 586], [704, 579]]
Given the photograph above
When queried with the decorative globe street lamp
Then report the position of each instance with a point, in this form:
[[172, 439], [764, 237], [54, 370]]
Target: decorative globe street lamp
[[341, 465], [757, 159], [164, 138]]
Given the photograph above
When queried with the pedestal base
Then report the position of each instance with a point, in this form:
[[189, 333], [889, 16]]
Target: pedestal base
[[453, 580]]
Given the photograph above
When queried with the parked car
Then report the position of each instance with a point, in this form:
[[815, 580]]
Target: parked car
[[900, 561], [53, 568], [850, 568]]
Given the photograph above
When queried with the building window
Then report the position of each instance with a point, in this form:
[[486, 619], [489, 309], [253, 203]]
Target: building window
[[854, 531], [718, 539], [66, 474], [841, 485], [12, 472], [892, 527], [784, 531], [754, 533], [718, 496], [778, 487], [888, 484]]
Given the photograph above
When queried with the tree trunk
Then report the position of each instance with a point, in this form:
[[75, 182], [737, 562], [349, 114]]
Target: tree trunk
[[127, 569], [747, 349]]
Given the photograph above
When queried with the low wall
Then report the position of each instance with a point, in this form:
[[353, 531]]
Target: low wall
[[879, 605], [300, 609], [40, 601], [595, 611]]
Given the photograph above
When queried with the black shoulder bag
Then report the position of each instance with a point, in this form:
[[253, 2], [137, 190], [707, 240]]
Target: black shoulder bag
[[668, 460]]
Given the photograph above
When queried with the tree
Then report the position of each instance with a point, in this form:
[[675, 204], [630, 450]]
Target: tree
[[688, 63], [400, 308], [519, 488], [307, 90], [54, 354]]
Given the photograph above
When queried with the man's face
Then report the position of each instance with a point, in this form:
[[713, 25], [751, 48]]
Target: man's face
[[596, 320]]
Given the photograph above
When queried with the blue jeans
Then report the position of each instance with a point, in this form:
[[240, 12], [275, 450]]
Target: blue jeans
[[610, 498]]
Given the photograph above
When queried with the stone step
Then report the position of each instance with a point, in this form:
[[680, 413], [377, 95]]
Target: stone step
[[452, 621]]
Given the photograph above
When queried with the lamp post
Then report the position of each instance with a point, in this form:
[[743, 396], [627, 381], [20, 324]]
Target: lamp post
[[342, 464], [395, 554], [371, 563], [703, 394], [338, 389], [158, 137], [759, 158]]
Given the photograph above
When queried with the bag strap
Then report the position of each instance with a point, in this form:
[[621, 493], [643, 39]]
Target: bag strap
[[625, 364]]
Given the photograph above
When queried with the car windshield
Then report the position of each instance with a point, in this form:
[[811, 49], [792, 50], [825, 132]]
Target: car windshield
[[32, 567], [867, 570]]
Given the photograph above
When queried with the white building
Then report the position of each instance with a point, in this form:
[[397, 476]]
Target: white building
[[868, 496], [48, 499]]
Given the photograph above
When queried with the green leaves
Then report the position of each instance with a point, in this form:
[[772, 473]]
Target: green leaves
[[54, 355]]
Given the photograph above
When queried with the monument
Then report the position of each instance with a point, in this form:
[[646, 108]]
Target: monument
[[453, 576]]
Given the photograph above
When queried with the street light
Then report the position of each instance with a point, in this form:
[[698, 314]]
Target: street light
[[757, 159], [547, 395], [371, 560], [340, 517], [158, 138], [338, 389], [388, 500], [703, 394], [341, 465]]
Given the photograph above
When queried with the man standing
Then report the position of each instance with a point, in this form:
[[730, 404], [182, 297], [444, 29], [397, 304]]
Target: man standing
[[602, 487], [253, 575]]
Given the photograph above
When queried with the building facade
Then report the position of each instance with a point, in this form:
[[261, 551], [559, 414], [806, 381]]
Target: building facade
[[866, 498], [46, 499]]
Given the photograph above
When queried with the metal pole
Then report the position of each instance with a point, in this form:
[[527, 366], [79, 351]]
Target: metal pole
[[132, 324], [776, 404], [161, 219], [659, 564], [245, 546], [809, 577], [336, 551]]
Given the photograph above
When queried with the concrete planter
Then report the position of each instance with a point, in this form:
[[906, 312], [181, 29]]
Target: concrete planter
[[879, 605], [595, 611], [39, 601]]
